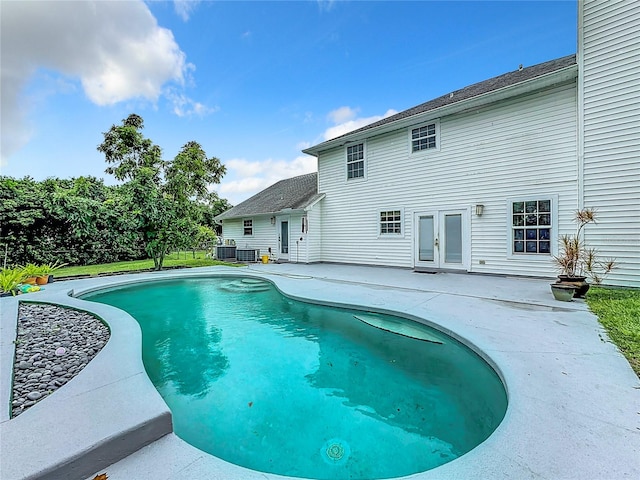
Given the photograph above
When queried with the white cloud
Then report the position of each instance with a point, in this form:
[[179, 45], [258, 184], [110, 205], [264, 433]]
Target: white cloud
[[246, 178], [344, 118], [116, 50], [184, 106], [184, 8], [342, 114]]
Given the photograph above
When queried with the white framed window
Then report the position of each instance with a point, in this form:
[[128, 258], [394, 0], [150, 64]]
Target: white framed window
[[391, 222], [533, 226], [355, 161], [247, 227], [425, 137]]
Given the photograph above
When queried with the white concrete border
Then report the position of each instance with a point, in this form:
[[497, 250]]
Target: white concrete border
[[573, 410]]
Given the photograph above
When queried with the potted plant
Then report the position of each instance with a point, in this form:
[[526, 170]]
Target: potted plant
[[576, 261], [47, 269], [10, 278], [30, 272]]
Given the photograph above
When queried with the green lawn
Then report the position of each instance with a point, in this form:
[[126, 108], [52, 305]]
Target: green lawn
[[182, 259], [619, 313]]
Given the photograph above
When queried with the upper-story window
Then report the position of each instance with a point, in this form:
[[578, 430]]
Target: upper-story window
[[425, 137], [248, 227], [355, 161]]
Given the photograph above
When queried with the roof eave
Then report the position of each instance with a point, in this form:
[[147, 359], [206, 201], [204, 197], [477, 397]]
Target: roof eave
[[284, 211], [558, 77]]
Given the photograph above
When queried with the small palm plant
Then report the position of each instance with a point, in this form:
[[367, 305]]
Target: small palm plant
[[575, 259]]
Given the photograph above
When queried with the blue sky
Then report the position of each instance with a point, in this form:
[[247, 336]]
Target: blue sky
[[253, 82]]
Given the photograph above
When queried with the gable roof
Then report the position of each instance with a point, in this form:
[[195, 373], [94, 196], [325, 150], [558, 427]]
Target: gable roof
[[292, 193], [476, 90]]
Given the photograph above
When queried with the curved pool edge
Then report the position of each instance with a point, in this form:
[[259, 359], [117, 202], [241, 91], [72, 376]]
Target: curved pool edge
[[106, 412], [506, 453]]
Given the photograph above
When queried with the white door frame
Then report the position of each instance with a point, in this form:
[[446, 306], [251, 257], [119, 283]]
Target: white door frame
[[280, 220], [439, 240]]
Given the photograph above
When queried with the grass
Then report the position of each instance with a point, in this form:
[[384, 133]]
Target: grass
[[619, 313], [179, 259]]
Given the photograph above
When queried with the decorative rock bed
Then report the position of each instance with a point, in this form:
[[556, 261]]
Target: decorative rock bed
[[53, 345]]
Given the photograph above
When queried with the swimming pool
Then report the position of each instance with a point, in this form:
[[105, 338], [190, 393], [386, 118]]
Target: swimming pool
[[304, 390]]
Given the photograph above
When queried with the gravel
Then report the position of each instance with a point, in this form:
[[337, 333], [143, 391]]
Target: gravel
[[53, 345]]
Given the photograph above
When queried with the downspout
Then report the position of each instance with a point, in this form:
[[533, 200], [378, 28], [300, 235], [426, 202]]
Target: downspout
[[580, 113]]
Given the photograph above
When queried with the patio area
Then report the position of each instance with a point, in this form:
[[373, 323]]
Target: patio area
[[574, 402]]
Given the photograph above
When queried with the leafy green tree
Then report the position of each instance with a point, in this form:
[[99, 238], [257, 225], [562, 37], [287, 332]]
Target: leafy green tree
[[75, 221], [163, 195]]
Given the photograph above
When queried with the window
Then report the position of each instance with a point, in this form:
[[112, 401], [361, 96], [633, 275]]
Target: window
[[355, 161], [248, 227], [391, 222], [425, 137], [531, 226]]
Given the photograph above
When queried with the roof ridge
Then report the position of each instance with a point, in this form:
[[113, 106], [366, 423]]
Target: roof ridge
[[473, 90]]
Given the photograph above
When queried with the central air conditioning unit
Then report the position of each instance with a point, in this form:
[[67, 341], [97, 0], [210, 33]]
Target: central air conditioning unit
[[247, 254], [225, 252]]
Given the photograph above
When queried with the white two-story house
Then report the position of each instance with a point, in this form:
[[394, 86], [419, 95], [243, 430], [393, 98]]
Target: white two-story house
[[483, 179]]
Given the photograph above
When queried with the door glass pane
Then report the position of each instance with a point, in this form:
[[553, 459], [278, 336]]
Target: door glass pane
[[284, 237], [425, 247], [453, 238]]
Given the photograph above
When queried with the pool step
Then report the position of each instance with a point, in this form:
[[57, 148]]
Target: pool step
[[246, 285]]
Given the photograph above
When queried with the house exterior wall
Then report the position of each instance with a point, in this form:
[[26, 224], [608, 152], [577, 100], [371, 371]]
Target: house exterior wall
[[522, 147], [609, 57], [298, 245], [313, 236], [264, 234]]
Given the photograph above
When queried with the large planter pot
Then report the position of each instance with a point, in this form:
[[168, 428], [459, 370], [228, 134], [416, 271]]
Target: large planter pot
[[42, 280], [579, 282], [30, 280], [563, 292]]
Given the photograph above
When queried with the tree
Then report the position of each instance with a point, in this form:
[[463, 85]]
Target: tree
[[75, 221], [163, 195]]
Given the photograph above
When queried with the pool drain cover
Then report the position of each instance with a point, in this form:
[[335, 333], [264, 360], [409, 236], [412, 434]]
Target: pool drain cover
[[335, 451]]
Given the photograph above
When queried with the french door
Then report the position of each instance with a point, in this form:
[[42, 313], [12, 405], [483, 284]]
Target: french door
[[441, 239]]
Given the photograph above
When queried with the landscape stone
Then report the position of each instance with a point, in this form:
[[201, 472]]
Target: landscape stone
[[42, 329]]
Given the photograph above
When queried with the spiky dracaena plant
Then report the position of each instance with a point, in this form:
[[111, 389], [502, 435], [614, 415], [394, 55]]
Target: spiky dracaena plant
[[575, 259]]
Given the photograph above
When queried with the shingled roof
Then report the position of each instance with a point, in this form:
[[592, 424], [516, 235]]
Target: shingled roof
[[293, 193], [475, 90]]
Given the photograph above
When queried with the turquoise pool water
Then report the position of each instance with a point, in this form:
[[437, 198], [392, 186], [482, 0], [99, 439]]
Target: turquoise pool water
[[297, 389]]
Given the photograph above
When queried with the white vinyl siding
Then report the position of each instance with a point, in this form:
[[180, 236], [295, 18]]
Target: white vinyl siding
[[520, 147], [264, 234], [314, 234], [611, 157]]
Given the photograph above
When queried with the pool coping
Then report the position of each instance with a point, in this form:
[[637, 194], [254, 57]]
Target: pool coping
[[577, 391]]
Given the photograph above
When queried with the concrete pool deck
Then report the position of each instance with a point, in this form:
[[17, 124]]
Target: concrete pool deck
[[574, 402]]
